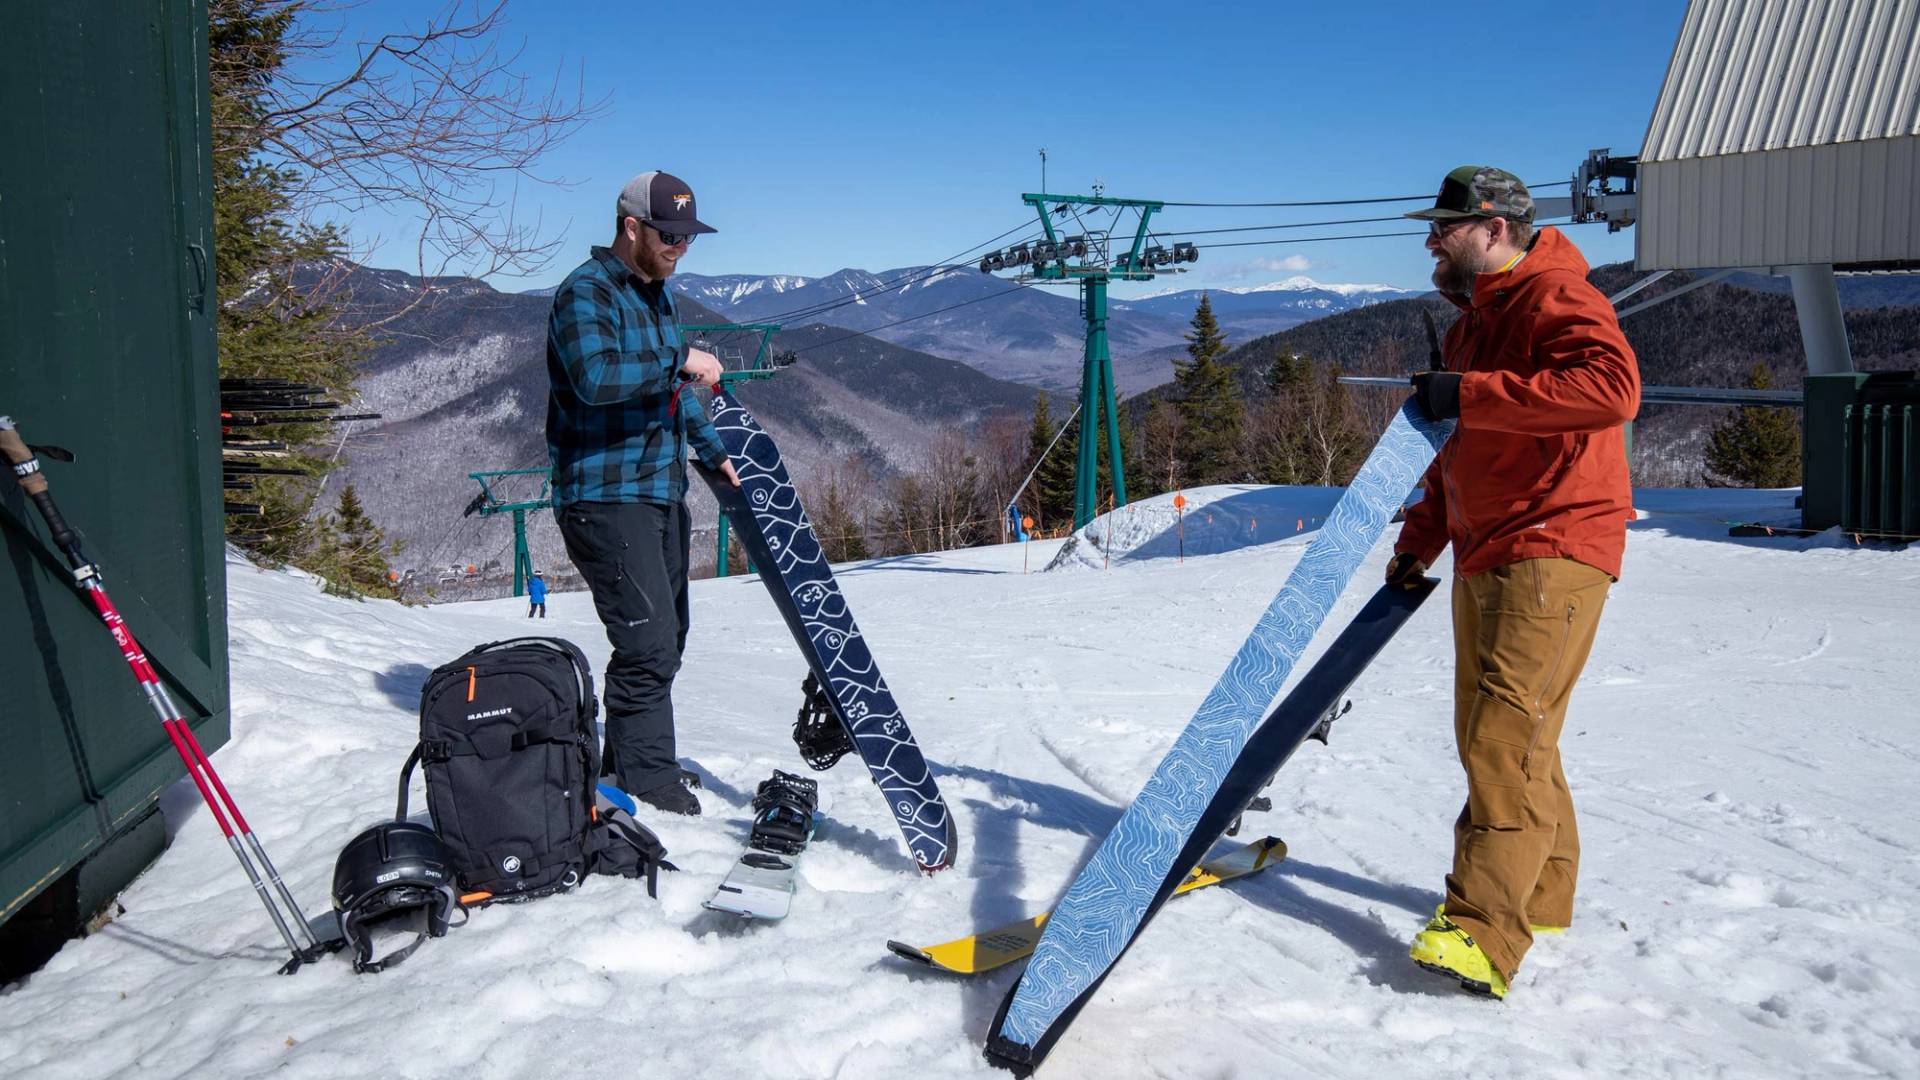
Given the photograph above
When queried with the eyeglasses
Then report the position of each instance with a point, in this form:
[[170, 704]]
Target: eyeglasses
[[1443, 228], [671, 239]]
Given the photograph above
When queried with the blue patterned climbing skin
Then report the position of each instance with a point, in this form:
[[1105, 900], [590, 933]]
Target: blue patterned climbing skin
[[1103, 907], [845, 665]]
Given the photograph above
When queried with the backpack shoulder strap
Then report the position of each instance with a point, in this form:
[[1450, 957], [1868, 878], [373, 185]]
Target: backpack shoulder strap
[[589, 701], [406, 781]]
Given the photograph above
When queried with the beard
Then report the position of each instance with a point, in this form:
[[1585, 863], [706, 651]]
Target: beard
[[1452, 274], [657, 266]]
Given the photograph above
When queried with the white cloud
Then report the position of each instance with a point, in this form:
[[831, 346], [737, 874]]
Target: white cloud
[[1261, 268], [1292, 264]]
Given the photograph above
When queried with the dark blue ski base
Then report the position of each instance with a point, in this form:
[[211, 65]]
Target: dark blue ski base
[[1291, 723], [773, 528]]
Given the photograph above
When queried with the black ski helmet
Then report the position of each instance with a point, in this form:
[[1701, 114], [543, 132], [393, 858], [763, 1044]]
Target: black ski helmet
[[393, 870]]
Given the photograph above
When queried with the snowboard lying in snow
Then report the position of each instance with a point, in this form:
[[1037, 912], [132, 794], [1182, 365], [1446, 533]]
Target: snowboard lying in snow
[[773, 528], [762, 881]]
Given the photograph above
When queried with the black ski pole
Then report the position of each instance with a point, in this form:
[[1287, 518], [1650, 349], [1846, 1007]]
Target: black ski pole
[[26, 469]]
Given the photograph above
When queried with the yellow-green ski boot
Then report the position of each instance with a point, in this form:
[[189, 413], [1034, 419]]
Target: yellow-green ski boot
[[1445, 949]]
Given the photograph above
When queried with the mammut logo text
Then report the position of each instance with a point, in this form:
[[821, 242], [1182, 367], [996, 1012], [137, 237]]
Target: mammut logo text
[[490, 713]]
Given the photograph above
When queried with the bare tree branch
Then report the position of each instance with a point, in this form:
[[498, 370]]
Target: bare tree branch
[[437, 123]]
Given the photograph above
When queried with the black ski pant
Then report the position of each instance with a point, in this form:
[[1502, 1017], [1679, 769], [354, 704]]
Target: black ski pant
[[634, 558], [538, 607]]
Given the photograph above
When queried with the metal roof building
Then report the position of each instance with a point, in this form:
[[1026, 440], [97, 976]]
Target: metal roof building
[[1787, 133], [1787, 138]]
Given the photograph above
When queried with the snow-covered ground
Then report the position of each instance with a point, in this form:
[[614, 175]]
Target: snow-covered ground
[[1744, 750]]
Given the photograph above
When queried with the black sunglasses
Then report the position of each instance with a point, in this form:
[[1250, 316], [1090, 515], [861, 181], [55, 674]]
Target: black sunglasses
[[671, 239], [1442, 228]]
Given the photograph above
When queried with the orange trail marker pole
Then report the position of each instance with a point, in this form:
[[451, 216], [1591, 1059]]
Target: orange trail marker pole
[[1180, 508], [1026, 549]]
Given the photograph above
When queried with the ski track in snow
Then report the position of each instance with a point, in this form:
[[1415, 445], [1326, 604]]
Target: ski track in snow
[[1743, 750]]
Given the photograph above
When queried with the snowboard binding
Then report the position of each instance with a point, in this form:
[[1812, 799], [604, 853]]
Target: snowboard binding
[[783, 813], [1260, 803], [1325, 727], [817, 730]]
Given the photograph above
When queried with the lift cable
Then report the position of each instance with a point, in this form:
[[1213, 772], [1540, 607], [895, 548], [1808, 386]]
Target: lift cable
[[1342, 202]]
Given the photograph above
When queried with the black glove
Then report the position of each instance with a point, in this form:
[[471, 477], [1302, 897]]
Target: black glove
[[1405, 569], [1439, 393]]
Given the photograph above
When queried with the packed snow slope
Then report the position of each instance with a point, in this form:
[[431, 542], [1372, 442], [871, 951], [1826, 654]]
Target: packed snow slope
[[1744, 750]]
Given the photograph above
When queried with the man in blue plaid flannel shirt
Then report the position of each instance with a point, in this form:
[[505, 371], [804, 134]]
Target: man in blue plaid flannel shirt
[[619, 420]]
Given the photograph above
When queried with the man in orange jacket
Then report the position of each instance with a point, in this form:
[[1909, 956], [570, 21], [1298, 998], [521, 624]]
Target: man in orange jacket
[[1532, 492]]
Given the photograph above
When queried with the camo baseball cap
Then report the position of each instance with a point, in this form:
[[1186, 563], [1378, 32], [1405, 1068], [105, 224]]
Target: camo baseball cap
[[1479, 191]]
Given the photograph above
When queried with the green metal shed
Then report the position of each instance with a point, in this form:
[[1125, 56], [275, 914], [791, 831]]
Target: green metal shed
[[107, 349]]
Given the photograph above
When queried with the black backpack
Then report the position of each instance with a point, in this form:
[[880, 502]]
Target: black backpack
[[512, 755]]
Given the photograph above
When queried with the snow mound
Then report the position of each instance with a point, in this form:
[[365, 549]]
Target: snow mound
[[1215, 520]]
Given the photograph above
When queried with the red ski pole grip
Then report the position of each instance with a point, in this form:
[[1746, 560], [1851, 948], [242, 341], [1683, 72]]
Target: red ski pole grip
[[25, 468]]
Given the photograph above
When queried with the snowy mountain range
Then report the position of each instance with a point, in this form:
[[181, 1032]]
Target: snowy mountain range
[[1296, 283], [461, 385], [1249, 311], [460, 380], [1027, 334]]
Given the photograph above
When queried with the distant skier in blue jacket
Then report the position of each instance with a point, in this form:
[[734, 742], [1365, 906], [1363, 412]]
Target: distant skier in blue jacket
[[536, 595]]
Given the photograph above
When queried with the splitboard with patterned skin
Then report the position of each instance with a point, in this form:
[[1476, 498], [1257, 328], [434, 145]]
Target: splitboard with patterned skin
[[778, 537], [1132, 872], [1003, 945]]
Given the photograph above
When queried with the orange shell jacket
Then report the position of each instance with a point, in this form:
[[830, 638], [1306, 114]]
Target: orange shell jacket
[[1537, 467]]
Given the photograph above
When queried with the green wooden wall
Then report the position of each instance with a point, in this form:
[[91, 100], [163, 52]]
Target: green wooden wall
[[107, 349]]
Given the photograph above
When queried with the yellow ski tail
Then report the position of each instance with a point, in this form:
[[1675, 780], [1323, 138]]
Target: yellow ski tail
[[1003, 945]]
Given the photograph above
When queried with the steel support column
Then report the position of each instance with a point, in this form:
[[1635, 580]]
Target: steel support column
[[1823, 327]]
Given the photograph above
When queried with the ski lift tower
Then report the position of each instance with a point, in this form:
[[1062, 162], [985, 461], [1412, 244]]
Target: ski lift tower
[[761, 367], [488, 503], [1092, 263]]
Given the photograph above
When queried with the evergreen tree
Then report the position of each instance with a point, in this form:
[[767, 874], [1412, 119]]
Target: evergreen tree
[[1286, 373], [352, 552], [1756, 446], [1211, 406], [268, 325], [1049, 496]]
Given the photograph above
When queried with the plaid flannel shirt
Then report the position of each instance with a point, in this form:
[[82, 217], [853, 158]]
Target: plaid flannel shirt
[[615, 432]]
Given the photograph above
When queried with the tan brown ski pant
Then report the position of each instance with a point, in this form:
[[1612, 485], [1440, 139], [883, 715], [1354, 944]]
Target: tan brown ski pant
[[1521, 635]]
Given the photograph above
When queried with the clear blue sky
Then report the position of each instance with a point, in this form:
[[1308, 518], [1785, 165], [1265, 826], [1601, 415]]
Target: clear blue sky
[[820, 136]]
